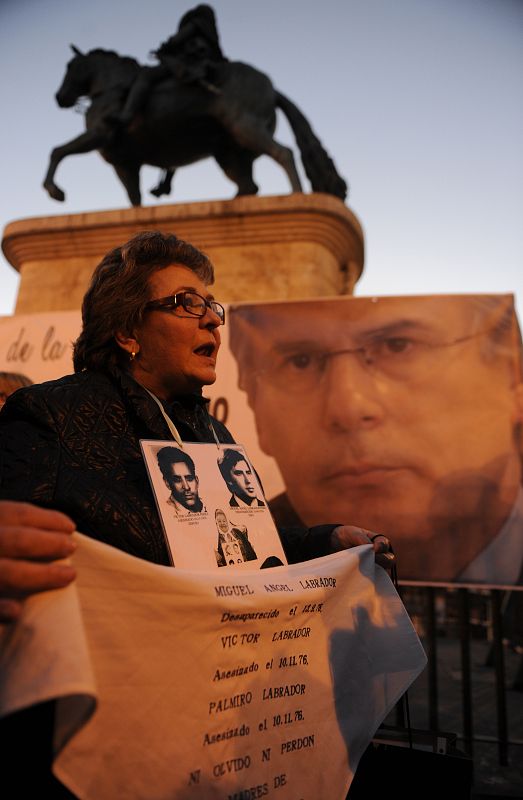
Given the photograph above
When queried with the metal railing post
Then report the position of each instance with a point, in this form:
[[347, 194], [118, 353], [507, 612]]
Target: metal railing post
[[432, 656], [466, 683], [499, 666]]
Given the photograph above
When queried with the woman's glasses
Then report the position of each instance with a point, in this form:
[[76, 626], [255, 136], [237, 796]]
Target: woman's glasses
[[191, 302]]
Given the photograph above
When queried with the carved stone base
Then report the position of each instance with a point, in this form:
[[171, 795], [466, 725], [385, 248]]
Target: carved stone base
[[263, 248]]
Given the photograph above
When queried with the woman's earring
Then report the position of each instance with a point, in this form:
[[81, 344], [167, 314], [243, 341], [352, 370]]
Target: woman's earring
[[133, 355]]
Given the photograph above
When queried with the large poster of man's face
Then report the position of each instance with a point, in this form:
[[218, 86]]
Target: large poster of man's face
[[401, 415]]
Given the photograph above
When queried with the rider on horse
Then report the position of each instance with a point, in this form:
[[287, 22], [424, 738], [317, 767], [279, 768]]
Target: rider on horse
[[224, 109], [192, 55]]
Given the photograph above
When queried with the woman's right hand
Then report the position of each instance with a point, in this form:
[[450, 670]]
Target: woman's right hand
[[32, 540]]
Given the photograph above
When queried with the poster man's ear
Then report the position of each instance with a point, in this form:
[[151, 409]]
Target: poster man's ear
[[519, 402]]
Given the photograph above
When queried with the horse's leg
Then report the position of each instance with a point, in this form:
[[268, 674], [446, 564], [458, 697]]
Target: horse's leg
[[129, 175], [85, 143], [237, 165], [247, 133], [164, 184]]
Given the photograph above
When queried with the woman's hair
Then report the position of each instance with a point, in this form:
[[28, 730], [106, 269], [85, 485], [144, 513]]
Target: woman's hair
[[119, 290]]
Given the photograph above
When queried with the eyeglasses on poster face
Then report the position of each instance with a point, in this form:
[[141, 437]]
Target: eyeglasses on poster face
[[398, 357]]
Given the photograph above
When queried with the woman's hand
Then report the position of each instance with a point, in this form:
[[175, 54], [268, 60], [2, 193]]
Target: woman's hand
[[31, 539], [345, 536]]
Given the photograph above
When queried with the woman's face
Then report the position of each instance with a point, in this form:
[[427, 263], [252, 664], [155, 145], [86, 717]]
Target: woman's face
[[221, 521], [175, 351]]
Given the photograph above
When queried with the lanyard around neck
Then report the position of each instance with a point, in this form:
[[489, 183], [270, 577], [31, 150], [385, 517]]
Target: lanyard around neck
[[170, 424]]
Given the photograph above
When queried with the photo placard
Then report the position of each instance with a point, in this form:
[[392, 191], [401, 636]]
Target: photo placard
[[212, 507]]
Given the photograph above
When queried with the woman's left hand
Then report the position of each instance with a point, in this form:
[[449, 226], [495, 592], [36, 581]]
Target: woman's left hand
[[345, 536]]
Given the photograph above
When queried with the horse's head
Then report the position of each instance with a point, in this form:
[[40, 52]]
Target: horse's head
[[92, 73], [76, 81]]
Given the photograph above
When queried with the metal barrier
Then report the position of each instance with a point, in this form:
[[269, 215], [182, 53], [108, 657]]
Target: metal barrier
[[464, 609]]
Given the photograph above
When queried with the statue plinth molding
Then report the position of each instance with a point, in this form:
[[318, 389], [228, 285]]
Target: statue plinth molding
[[264, 248]]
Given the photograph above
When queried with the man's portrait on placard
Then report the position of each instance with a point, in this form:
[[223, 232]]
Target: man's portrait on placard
[[179, 473], [400, 414], [240, 479]]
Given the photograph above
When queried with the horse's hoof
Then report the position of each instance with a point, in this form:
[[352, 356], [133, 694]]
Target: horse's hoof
[[55, 193]]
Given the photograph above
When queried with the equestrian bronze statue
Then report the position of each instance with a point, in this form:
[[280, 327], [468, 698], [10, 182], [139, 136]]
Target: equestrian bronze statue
[[194, 104]]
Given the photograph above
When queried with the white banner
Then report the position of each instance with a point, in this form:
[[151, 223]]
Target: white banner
[[39, 346], [263, 683]]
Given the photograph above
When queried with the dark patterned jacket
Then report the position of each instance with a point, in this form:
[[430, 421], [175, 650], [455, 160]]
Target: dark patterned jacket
[[73, 445]]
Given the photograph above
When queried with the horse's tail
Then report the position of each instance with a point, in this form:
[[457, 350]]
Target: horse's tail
[[319, 166]]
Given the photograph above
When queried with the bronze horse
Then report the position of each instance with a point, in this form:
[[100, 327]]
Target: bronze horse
[[182, 123]]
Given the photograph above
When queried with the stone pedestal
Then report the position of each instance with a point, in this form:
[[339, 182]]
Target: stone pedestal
[[263, 248]]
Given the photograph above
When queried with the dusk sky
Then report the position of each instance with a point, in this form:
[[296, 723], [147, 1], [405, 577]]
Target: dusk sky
[[418, 103]]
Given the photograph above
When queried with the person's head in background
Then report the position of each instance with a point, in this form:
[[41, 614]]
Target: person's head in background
[[10, 382], [402, 415]]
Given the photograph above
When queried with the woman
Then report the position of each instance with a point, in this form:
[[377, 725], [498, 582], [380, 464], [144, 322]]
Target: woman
[[148, 346], [70, 448]]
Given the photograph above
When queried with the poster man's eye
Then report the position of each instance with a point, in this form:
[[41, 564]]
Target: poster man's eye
[[395, 345], [299, 361]]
